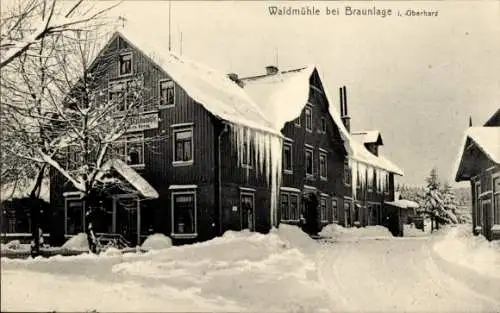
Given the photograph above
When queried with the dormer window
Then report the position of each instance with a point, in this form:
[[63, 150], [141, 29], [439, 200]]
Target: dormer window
[[125, 64]]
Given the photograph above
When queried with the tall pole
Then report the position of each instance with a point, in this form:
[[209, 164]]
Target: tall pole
[[169, 25]]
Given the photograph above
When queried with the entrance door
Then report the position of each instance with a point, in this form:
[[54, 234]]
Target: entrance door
[[247, 217], [126, 217]]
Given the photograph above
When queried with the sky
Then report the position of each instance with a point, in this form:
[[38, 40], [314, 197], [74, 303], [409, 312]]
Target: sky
[[415, 79]]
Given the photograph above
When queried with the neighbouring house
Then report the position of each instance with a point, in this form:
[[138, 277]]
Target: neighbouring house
[[479, 163], [371, 181], [316, 142], [217, 166]]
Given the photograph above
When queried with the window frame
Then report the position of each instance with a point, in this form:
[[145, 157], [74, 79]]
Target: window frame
[[311, 150], [179, 129], [309, 118], [173, 194], [325, 155], [290, 215], [123, 54], [73, 196], [335, 212], [165, 106], [495, 203], [323, 209], [251, 194], [246, 158], [289, 145], [323, 125], [347, 173], [125, 141]]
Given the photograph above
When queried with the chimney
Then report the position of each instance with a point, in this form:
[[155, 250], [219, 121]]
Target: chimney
[[346, 120], [271, 70], [234, 77]]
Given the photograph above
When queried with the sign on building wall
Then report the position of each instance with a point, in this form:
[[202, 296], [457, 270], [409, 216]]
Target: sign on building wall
[[143, 122]]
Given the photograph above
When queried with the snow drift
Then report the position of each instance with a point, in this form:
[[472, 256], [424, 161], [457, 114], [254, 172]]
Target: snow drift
[[156, 242], [235, 272], [340, 233], [461, 247], [78, 242]]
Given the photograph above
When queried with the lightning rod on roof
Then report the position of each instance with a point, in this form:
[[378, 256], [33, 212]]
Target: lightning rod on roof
[[169, 25], [470, 121]]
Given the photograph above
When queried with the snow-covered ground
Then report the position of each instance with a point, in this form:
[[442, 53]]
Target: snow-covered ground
[[284, 271], [237, 272], [461, 247], [339, 233]]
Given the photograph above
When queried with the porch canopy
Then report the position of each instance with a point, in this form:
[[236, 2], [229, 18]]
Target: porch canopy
[[132, 177]]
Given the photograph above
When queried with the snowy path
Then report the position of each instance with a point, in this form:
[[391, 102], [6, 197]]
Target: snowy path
[[398, 275]]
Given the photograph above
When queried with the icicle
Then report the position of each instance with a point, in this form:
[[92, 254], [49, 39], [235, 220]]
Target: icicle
[[370, 177], [354, 176], [266, 153]]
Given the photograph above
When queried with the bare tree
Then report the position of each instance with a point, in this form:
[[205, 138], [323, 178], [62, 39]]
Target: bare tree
[[64, 114], [29, 21]]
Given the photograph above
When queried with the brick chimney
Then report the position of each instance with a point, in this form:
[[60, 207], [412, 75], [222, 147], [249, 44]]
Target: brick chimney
[[346, 120], [271, 70]]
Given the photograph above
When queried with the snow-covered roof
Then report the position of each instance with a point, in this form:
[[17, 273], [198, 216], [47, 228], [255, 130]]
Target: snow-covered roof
[[361, 154], [131, 176], [282, 97], [486, 138], [404, 204], [213, 90], [12, 191], [368, 136]]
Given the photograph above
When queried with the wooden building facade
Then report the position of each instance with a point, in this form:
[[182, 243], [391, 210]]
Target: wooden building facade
[[192, 162], [479, 163]]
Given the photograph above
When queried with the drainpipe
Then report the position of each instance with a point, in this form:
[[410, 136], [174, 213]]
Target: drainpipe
[[221, 129]]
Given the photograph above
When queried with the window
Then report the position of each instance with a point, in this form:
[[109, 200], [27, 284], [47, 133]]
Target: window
[[308, 119], [290, 206], [74, 212], [130, 148], [287, 157], [246, 157], [347, 213], [183, 146], [496, 200], [347, 173], [323, 208], [124, 94], [247, 211], [386, 189], [335, 214], [322, 166], [479, 217], [167, 93], [323, 125], [125, 66], [309, 162], [184, 214]]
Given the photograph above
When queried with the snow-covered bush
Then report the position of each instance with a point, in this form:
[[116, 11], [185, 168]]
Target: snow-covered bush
[[78, 242], [156, 242]]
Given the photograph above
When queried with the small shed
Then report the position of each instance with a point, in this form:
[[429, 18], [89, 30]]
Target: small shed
[[399, 213]]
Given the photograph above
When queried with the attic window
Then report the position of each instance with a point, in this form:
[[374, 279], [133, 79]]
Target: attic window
[[308, 119], [167, 97], [125, 64]]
